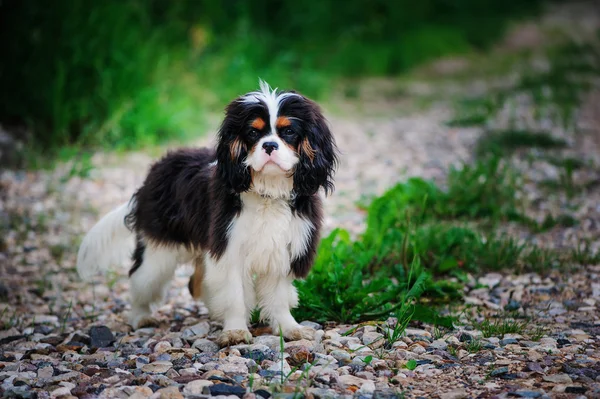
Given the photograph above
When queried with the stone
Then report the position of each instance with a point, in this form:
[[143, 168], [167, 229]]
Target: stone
[[576, 389], [159, 367], [224, 389], [62, 391], [199, 330], [367, 388], [233, 368], [272, 341], [416, 348], [526, 394], [101, 337], [347, 381], [162, 347], [373, 339], [205, 346], [558, 378], [311, 324], [169, 393], [45, 373], [454, 394], [299, 355], [341, 356], [196, 387], [508, 341], [499, 371], [439, 344]]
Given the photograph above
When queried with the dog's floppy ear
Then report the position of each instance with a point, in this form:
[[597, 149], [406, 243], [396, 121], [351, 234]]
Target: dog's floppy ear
[[232, 151], [318, 155]]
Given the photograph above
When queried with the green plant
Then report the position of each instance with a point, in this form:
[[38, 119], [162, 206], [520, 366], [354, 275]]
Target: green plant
[[504, 142], [411, 364], [500, 325], [473, 346]]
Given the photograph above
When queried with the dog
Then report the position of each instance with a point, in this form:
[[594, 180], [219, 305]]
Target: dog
[[247, 214]]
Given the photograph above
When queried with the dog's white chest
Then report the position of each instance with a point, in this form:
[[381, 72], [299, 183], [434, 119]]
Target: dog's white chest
[[267, 236]]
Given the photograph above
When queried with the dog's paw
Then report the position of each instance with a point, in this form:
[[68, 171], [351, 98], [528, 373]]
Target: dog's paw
[[234, 337], [143, 320], [298, 333]]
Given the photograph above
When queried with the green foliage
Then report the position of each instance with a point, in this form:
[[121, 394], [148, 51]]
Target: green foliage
[[554, 91], [417, 237], [507, 141], [137, 72], [500, 326], [411, 364]]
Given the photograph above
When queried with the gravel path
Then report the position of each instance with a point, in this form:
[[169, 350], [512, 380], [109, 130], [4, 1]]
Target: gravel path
[[60, 337]]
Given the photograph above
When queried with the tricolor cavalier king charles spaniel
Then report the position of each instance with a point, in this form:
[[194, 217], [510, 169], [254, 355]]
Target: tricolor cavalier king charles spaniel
[[246, 214]]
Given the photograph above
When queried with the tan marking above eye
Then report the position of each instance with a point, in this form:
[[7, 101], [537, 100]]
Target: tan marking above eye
[[258, 123], [282, 121]]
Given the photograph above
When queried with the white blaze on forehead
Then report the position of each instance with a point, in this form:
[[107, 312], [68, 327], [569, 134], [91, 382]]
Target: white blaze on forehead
[[270, 97]]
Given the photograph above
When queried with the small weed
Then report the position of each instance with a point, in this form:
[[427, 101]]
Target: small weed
[[473, 346], [367, 360], [505, 142], [411, 364], [66, 317], [584, 255], [452, 350], [537, 333], [500, 326]]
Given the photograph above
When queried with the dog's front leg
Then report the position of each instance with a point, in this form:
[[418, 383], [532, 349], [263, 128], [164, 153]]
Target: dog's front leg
[[276, 297], [223, 294]]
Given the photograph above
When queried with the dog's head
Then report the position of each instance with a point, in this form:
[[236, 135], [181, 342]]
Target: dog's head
[[275, 136]]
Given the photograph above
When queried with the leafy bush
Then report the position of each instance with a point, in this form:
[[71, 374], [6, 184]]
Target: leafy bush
[[417, 244], [136, 72]]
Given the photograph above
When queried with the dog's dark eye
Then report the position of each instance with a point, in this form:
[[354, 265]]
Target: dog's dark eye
[[253, 133], [288, 132]]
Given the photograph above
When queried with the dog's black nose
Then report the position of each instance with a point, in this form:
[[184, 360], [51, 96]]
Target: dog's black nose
[[269, 146]]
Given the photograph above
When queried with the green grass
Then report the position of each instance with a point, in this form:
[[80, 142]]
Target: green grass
[[505, 142], [500, 326], [421, 241]]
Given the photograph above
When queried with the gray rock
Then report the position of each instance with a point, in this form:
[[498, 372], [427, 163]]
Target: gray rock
[[197, 387], [311, 324], [558, 378], [454, 394], [271, 341], [508, 341], [439, 344], [374, 339], [526, 394], [199, 330], [341, 356], [159, 367], [101, 337], [205, 346]]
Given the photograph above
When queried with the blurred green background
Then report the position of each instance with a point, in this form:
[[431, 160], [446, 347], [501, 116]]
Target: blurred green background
[[121, 73]]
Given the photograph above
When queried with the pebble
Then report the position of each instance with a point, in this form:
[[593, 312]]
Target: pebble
[[159, 367], [199, 330], [196, 387], [347, 381], [558, 378], [373, 339], [101, 337], [205, 346], [439, 344], [225, 389], [454, 394]]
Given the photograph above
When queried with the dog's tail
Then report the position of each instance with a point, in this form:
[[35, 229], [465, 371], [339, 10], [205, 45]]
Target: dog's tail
[[107, 244]]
